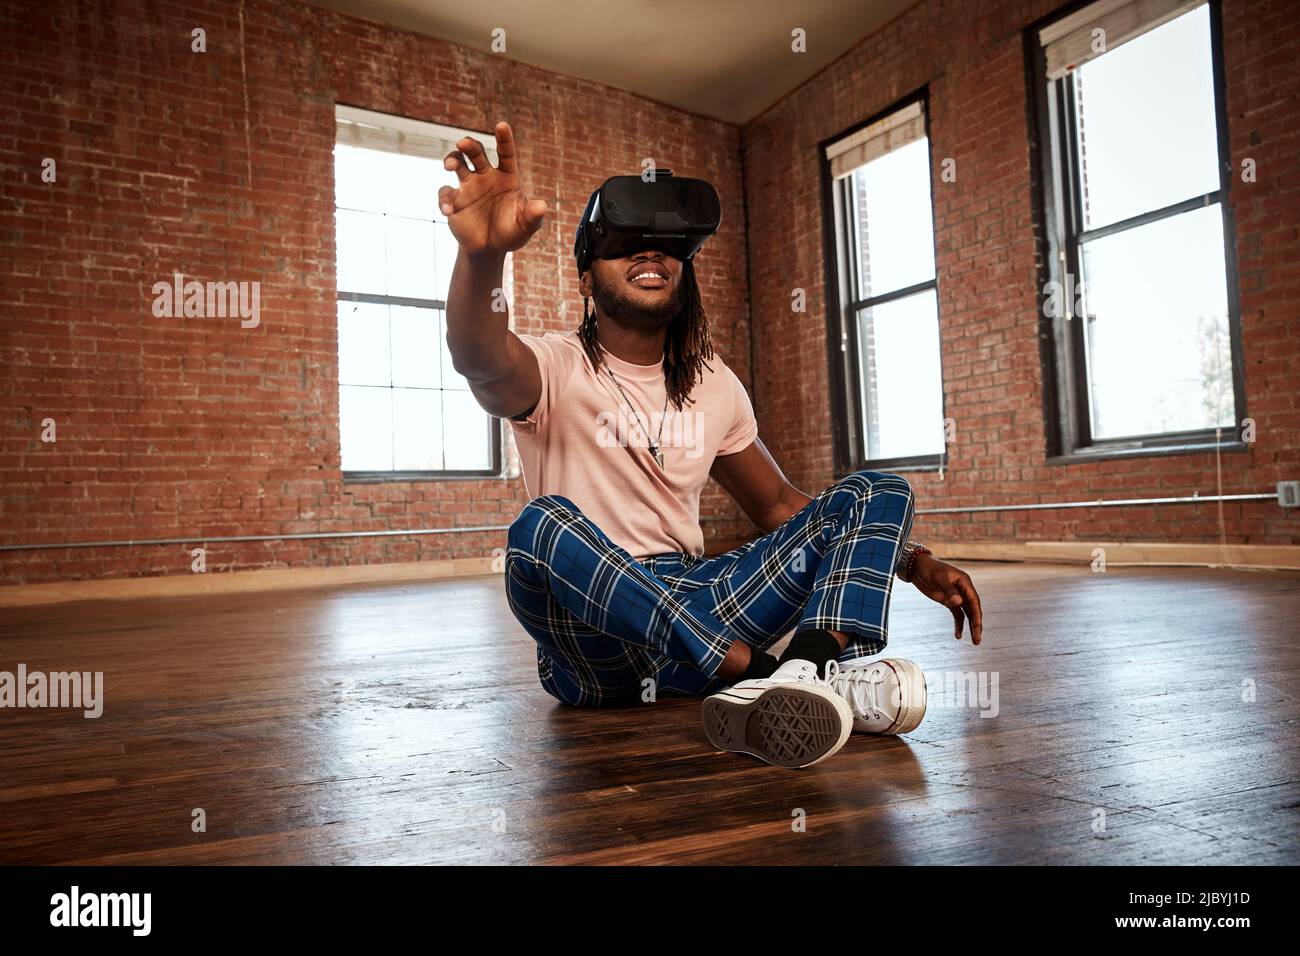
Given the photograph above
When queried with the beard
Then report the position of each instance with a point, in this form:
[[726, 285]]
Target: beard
[[614, 303]]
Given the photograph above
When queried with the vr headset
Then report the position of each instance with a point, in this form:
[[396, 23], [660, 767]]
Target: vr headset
[[627, 214]]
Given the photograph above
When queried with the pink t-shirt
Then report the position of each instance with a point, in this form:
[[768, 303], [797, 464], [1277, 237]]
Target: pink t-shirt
[[582, 442]]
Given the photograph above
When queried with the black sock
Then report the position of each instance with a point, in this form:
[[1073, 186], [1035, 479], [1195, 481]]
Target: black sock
[[814, 645], [761, 664]]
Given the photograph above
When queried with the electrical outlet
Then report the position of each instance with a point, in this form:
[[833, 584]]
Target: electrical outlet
[[1288, 494]]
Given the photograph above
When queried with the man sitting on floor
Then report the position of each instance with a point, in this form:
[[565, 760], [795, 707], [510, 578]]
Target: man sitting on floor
[[619, 424]]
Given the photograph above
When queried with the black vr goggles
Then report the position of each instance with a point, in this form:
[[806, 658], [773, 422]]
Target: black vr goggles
[[628, 214]]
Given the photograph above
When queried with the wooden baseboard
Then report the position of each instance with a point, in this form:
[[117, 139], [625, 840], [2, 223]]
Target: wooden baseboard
[[1281, 557], [1117, 553], [240, 582]]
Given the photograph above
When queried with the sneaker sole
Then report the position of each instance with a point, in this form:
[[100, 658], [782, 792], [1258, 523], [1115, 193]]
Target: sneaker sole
[[789, 727], [912, 711]]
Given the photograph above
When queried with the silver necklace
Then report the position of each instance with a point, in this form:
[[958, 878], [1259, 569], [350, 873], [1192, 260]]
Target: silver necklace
[[654, 445]]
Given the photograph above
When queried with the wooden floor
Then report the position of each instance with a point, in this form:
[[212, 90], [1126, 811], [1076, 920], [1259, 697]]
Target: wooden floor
[[404, 724]]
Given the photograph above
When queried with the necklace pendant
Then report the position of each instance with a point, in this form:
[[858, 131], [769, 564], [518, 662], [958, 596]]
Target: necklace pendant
[[658, 455]]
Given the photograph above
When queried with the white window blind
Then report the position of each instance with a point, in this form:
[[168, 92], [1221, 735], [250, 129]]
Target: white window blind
[[871, 142], [1072, 41], [397, 134]]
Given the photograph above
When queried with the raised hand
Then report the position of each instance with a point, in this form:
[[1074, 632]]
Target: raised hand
[[488, 211]]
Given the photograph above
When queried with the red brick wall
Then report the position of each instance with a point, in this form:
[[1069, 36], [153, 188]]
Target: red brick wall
[[971, 57], [196, 427]]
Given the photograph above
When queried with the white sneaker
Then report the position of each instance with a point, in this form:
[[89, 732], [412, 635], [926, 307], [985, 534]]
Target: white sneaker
[[887, 695], [791, 719]]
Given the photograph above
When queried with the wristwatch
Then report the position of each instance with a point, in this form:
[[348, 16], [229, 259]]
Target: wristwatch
[[907, 559]]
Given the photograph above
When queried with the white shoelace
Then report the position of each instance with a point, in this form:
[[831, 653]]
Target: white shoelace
[[832, 675], [859, 686]]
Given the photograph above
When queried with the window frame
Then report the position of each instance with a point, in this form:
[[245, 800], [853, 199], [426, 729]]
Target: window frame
[[1060, 234], [842, 307], [495, 467]]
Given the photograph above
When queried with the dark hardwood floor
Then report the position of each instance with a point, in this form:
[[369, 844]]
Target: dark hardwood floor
[[404, 724]]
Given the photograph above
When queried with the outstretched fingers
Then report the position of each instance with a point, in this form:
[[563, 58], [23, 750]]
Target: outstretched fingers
[[964, 603], [971, 603], [958, 618], [455, 161], [531, 215], [473, 151], [447, 200], [507, 160]]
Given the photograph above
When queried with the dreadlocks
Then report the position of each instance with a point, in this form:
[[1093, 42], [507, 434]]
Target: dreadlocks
[[686, 349]]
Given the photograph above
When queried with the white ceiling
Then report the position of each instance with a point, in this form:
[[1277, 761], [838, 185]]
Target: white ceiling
[[730, 59]]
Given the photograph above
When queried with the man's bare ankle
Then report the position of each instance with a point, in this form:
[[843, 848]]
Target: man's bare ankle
[[841, 637], [736, 662]]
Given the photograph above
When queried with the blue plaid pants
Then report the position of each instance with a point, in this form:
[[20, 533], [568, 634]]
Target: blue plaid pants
[[606, 623]]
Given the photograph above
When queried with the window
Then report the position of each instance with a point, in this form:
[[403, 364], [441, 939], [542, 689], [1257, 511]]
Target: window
[[1139, 293], [404, 412], [885, 317]]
